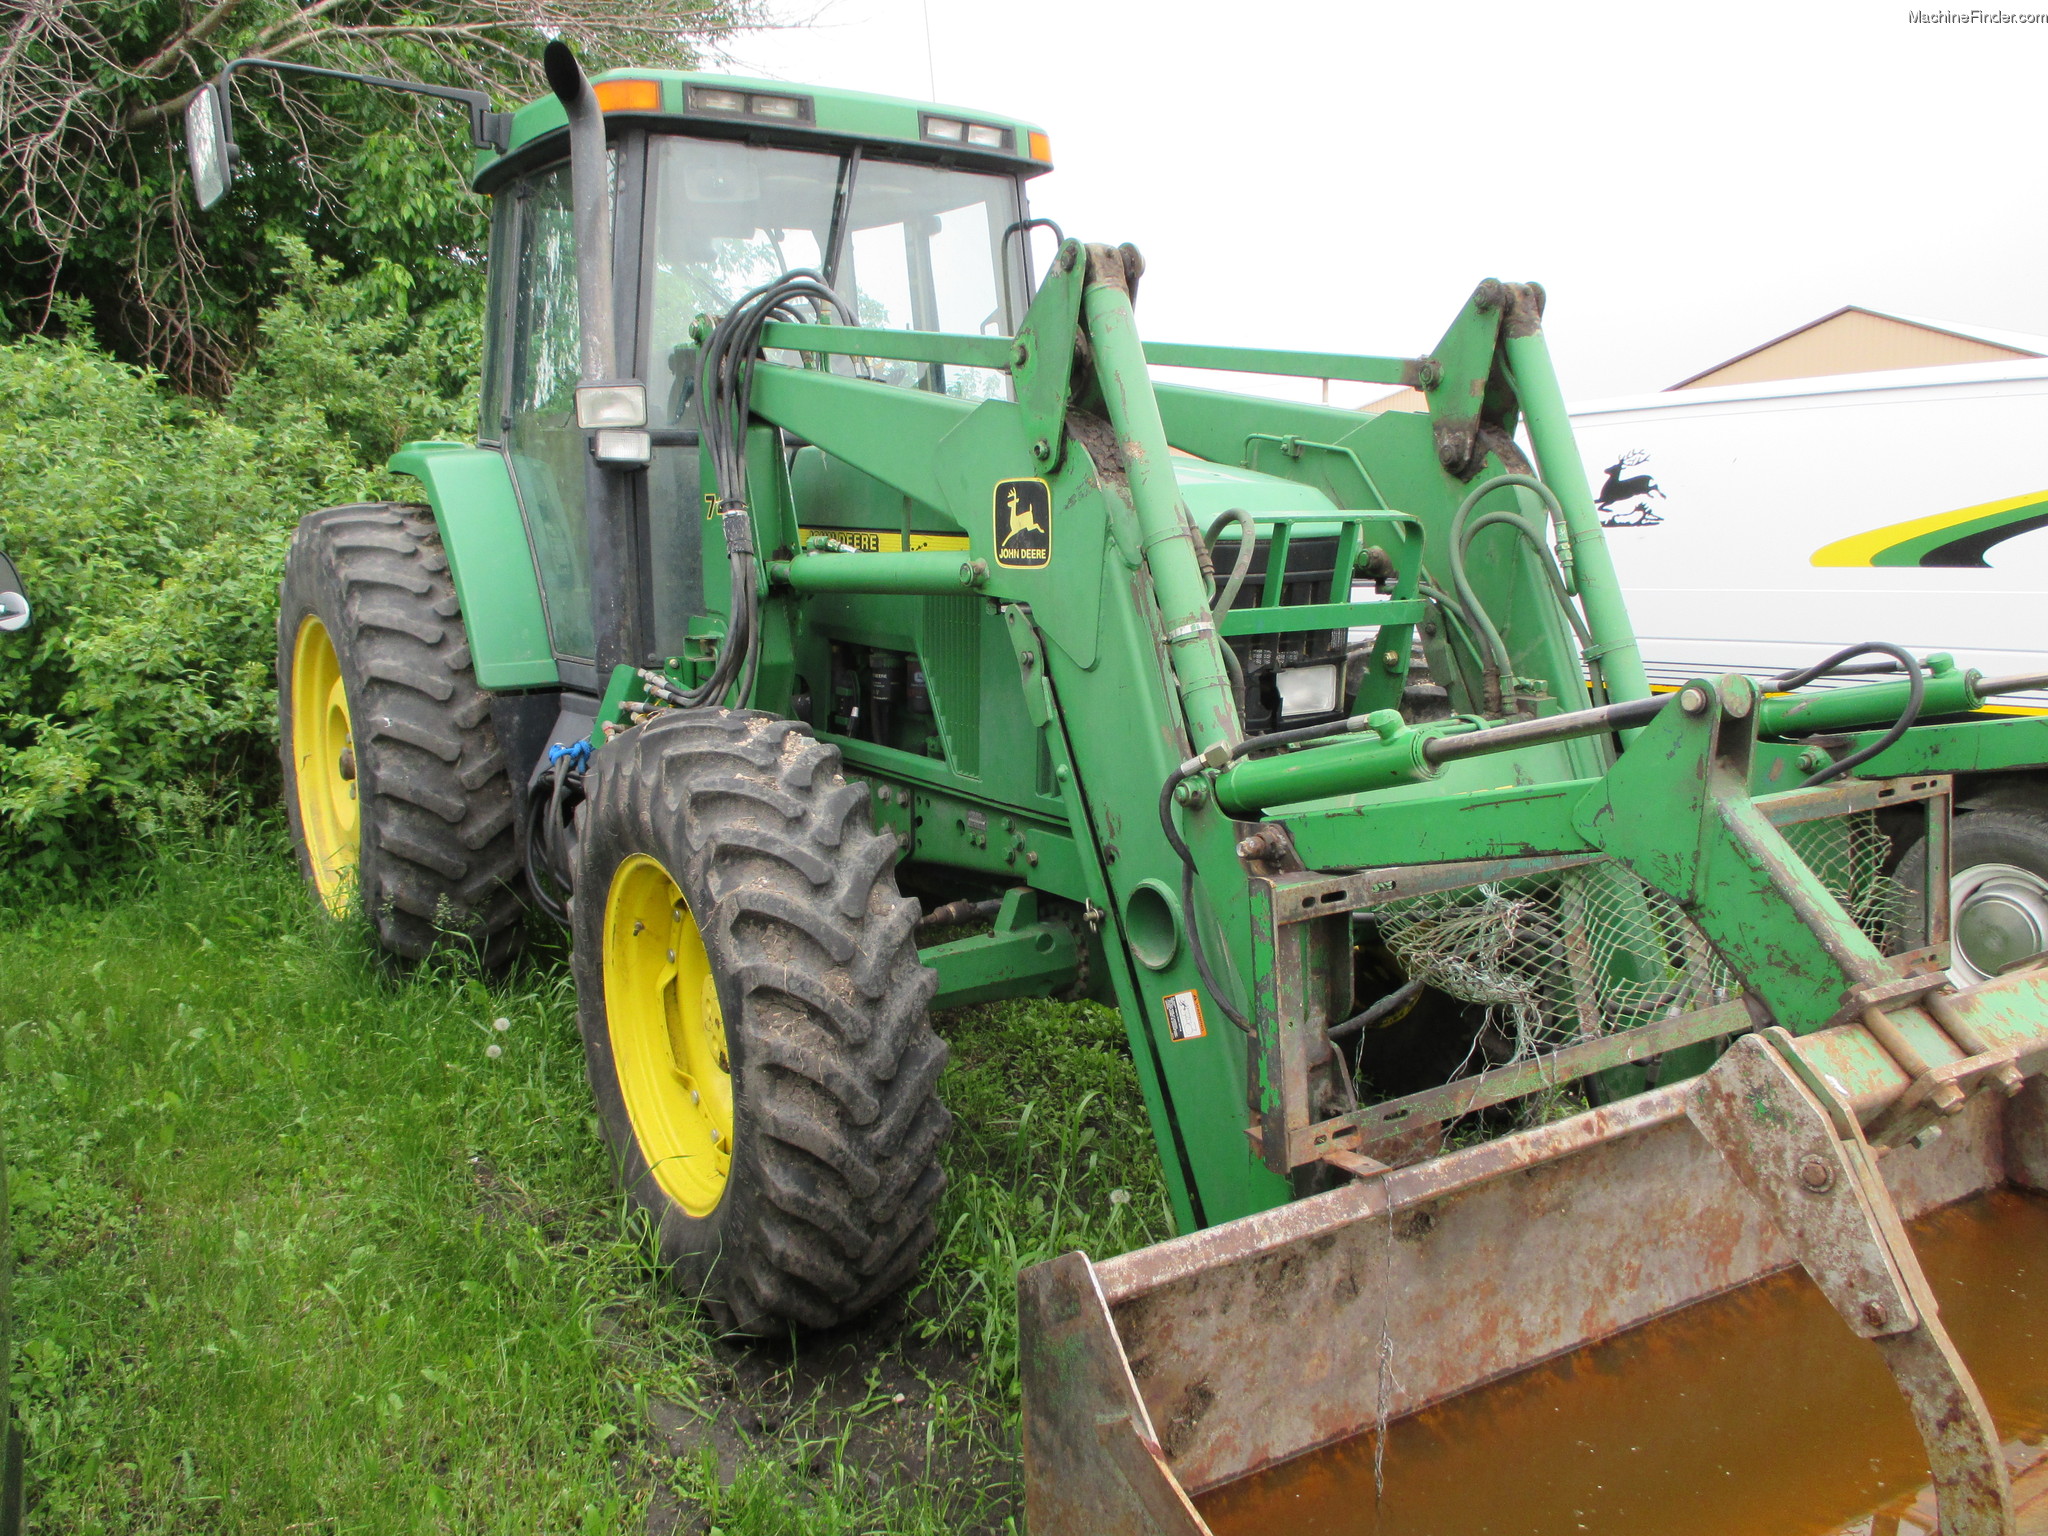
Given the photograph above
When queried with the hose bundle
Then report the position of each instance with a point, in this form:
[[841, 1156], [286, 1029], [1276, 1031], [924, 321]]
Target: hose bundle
[[1916, 695], [725, 388]]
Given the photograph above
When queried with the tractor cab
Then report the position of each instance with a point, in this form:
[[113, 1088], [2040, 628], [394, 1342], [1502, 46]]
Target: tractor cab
[[916, 218]]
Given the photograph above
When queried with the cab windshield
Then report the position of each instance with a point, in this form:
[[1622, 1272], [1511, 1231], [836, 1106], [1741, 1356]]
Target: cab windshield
[[911, 247]]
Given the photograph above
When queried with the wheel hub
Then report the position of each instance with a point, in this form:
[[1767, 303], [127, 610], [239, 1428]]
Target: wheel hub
[[324, 766], [668, 1035], [1999, 915]]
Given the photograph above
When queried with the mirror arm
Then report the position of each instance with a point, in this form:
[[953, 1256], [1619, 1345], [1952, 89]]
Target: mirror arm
[[487, 129]]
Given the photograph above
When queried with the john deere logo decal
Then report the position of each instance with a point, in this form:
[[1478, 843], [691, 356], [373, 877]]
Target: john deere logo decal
[[1624, 501], [1023, 524]]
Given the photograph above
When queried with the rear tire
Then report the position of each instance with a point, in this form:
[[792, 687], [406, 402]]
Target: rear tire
[[1998, 885], [810, 989], [397, 794]]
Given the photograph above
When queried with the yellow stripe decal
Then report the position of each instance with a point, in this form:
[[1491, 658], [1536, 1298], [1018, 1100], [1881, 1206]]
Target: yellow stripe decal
[[886, 541], [1867, 548]]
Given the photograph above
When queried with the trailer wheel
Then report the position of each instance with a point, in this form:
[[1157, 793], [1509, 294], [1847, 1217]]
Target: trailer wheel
[[753, 1018], [398, 797], [1998, 891]]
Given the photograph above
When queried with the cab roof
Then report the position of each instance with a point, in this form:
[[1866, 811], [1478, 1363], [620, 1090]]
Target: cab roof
[[776, 111]]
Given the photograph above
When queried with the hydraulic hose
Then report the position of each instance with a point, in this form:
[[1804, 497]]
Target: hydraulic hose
[[1384, 1008], [725, 388], [1247, 551], [1464, 630], [1916, 694], [1560, 584]]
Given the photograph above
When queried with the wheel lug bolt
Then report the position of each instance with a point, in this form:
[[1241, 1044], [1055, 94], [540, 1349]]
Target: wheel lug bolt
[[348, 763]]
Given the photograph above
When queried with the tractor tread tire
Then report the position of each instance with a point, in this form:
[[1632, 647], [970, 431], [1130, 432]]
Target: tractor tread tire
[[828, 1206], [439, 863]]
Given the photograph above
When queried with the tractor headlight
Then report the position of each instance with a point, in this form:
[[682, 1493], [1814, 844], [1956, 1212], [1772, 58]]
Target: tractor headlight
[[953, 130], [622, 445], [789, 109], [1306, 691], [611, 405]]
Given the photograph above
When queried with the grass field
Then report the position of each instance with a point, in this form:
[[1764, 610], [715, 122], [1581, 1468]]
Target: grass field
[[299, 1252]]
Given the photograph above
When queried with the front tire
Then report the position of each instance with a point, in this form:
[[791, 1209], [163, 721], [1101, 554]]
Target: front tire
[[753, 1018], [396, 791]]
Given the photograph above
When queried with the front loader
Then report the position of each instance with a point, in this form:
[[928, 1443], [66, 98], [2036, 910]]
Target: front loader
[[823, 576]]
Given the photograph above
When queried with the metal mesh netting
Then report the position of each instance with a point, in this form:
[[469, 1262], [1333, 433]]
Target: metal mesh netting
[[1590, 950]]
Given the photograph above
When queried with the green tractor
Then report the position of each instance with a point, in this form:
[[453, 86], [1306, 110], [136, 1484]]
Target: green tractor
[[826, 573]]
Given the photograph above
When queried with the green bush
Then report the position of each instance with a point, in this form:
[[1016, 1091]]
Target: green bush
[[150, 531]]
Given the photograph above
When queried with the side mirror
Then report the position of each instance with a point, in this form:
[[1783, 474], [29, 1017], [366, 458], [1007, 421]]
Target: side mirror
[[206, 148], [13, 606]]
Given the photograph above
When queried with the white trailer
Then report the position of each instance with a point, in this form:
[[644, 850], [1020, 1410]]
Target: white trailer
[[1759, 527]]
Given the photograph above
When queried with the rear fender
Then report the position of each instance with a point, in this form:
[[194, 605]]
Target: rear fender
[[477, 509]]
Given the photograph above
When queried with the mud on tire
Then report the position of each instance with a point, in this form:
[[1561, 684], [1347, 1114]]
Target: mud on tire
[[827, 1207], [437, 859]]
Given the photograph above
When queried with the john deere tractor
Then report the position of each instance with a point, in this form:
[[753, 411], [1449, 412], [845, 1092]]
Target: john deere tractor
[[830, 568]]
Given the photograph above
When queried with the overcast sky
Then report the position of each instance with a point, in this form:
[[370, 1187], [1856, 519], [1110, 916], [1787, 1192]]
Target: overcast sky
[[1686, 181]]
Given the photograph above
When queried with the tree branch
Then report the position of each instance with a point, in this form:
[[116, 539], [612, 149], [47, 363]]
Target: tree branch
[[179, 42]]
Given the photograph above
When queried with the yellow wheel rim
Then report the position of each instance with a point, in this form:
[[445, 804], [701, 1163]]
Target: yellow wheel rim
[[668, 1035], [323, 764]]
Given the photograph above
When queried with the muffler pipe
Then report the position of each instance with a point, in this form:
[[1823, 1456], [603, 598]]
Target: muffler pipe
[[591, 205], [608, 493]]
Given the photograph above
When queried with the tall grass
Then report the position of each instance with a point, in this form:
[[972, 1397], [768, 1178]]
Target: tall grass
[[1052, 1152], [293, 1245], [297, 1253]]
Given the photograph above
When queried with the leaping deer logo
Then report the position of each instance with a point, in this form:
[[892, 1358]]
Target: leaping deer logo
[[1023, 520], [1636, 488]]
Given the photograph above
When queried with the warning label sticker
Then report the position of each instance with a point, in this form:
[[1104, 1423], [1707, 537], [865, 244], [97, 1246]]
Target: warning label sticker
[[1184, 1016]]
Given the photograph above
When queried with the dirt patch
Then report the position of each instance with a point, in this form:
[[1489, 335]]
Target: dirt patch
[[876, 1397]]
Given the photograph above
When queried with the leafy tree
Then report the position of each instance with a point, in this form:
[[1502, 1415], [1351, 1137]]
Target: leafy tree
[[94, 200], [150, 528]]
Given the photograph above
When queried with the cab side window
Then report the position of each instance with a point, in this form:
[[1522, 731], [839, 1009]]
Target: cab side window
[[543, 442]]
